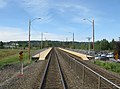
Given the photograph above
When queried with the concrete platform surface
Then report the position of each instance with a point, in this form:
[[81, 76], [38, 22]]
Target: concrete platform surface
[[42, 55], [83, 56]]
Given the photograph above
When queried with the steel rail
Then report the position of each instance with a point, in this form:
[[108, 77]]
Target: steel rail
[[61, 74], [46, 69]]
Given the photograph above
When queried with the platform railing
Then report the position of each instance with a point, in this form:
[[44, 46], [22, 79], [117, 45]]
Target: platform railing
[[102, 82]]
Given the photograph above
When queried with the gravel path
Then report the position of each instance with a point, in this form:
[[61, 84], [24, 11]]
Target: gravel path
[[30, 79]]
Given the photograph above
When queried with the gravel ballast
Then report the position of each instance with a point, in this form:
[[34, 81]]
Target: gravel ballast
[[29, 80]]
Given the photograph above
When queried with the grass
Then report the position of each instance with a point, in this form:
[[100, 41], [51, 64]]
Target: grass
[[7, 52], [112, 66], [9, 56]]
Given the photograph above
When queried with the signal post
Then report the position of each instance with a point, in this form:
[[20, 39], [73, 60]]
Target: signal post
[[21, 59]]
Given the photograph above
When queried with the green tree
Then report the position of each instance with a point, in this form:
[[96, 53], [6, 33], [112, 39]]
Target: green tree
[[1, 45], [97, 45], [104, 44], [112, 44], [83, 45]]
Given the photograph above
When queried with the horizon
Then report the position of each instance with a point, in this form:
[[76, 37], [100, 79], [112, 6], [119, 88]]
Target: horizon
[[56, 40]]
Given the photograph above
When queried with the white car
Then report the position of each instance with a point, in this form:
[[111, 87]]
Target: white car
[[110, 55], [97, 57]]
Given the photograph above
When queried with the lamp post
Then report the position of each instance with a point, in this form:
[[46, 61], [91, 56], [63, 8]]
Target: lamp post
[[41, 39], [42, 33], [29, 37], [73, 40], [93, 37]]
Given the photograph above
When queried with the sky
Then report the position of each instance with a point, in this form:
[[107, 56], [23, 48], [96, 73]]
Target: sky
[[59, 19]]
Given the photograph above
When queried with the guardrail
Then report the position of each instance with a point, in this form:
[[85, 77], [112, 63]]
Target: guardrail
[[100, 79]]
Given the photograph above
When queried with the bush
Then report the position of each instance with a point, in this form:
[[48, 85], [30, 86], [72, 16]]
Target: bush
[[115, 67]]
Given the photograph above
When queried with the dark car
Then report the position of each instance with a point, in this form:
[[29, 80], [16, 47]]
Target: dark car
[[102, 57]]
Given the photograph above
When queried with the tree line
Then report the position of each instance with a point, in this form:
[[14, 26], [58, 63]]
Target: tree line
[[99, 45]]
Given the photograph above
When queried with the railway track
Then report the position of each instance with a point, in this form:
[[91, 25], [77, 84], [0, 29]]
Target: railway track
[[53, 78], [66, 71], [90, 74]]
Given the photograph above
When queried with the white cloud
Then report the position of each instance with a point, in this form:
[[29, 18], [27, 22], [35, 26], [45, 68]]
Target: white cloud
[[3, 3], [11, 33], [47, 36], [72, 7], [76, 11], [17, 34], [37, 8], [46, 9], [51, 36]]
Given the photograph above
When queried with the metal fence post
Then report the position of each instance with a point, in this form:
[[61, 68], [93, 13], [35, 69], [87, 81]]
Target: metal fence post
[[75, 68], [83, 77], [99, 82], [70, 63]]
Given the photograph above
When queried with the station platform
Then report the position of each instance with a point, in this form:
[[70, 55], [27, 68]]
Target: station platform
[[83, 56], [42, 55]]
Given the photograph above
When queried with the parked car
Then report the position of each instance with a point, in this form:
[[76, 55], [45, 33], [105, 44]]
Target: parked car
[[104, 58], [97, 57], [101, 57], [110, 55]]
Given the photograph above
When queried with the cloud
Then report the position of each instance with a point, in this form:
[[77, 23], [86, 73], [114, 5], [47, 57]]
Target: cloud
[[37, 8], [3, 3], [12, 33], [72, 7], [19, 34], [48, 10], [47, 36], [51, 36], [75, 12]]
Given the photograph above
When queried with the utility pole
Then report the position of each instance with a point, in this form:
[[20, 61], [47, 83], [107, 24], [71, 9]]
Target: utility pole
[[29, 41], [93, 35], [41, 40], [66, 39], [73, 41], [66, 42], [89, 41]]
